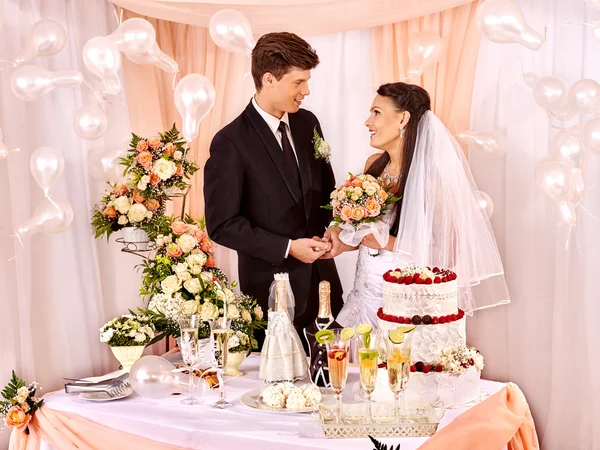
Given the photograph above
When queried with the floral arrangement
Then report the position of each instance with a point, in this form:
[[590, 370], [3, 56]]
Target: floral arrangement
[[459, 359], [20, 403], [238, 342], [321, 146], [124, 206], [128, 330], [182, 280], [158, 163], [360, 200]]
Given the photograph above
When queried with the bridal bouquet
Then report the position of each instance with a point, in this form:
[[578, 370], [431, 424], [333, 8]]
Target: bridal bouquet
[[358, 207], [124, 205], [19, 404], [158, 164]]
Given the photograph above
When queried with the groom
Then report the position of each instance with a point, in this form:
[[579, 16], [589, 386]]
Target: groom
[[264, 187]]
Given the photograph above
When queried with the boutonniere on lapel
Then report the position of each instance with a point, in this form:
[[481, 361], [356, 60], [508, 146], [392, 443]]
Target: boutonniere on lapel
[[321, 146]]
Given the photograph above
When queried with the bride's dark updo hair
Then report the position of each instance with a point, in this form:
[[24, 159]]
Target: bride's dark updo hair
[[415, 100]]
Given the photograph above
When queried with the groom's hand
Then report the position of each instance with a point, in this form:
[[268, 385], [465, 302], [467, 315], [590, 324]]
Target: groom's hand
[[332, 235], [308, 250]]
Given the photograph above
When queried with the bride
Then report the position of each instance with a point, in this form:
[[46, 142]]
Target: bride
[[437, 222]]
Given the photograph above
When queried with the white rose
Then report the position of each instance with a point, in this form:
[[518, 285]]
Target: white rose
[[170, 284], [177, 155], [233, 312], [193, 285], [139, 337], [358, 191], [207, 278], [324, 149], [336, 203], [246, 316], [122, 204], [226, 295], [187, 242], [107, 335], [145, 179], [123, 220], [233, 341], [137, 212], [354, 197], [209, 311], [189, 307], [184, 276], [198, 259], [149, 215], [342, 195], [180, 267], [142, 186], [371, 190], [164, 169], [23, 392], [167, 239], [258, 312], [196, 269]]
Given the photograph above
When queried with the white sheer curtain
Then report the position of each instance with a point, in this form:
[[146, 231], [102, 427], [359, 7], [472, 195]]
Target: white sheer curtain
[[544, 340], [61, 288]]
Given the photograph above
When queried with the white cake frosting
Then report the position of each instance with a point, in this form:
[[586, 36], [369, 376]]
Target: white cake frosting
[[436, 300]]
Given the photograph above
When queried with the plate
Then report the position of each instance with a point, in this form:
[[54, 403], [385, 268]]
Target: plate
[[104, 397], [253, 399]]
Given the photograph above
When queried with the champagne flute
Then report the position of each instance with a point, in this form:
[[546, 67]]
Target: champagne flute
[[368, 359], [220, 329], [398, 365], [188, 344], [337, 341]]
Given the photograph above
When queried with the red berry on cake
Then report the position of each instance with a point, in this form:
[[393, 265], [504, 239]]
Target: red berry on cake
[[436, 270], [435, 321], [428, 281], [461, 314], [416, 277], [400, 280], [407, 321], [418, 281], [413, 368], [408, 280], [442, 319], [437, 280], [438, 368], [416, 320], [419, 366], [427, 369], [444, 279], [453, 317]]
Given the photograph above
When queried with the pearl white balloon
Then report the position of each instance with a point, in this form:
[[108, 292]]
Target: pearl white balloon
[[134, 36], [550, 92], [591, 135], [46, 165], [424, 50], [51, 216], [488, 142], [231, 31], [32, 82], [584, 96], [46, 38], [502, 21], [567, 147], [194, 98], [102, 57], [90, 121], [530, 79], [485, 203], [157, 57], [103, 163], [554, 179]]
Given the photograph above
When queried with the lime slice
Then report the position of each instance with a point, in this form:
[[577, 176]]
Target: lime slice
[[397, 336], [406, 328], [347, 333], [324, 336], [364, 328]]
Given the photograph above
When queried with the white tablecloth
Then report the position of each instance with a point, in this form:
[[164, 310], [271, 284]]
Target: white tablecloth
[[203, 427]]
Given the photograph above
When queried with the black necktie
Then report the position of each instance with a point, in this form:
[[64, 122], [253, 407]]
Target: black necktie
[[289, 159]]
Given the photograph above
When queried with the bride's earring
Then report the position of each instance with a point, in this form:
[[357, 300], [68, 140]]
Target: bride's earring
[[402, 133]]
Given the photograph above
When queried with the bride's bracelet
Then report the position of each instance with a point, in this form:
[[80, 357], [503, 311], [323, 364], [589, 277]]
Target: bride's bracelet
[[421, 320]]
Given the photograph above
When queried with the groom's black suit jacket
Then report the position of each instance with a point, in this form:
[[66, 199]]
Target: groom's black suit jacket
[[252, 207]]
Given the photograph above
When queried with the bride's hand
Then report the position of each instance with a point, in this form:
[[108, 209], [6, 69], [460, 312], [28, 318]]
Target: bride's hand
[[371, 242]]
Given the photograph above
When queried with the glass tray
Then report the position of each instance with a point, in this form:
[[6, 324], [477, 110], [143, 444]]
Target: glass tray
[[422, 421]]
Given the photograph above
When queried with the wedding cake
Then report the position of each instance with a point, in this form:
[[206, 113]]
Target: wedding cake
[[442, 366]]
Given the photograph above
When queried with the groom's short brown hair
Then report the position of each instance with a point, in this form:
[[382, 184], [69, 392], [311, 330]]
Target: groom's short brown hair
[[277, 53]]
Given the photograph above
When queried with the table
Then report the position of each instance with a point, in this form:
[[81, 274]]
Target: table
[[203, 427]]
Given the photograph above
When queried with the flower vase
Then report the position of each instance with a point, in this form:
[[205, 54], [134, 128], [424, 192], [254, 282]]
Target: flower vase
[[127, 356], [136, 237], [234, 359]]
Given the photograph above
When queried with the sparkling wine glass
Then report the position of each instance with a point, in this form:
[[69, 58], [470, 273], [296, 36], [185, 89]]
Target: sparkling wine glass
[[219, 334], [368, 359], [337, 359], [188, 344], [398, 368]]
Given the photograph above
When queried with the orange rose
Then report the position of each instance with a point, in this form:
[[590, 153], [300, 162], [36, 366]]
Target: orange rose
[[373, 207], [154, 142], [120, 190], [210, 262], [138, 197], [179, 172], [141, 146], [144, 158], [152, 204], [356, 182], [17, 418], [154, 179], [383, 195], [169, 149], [206, 245], [358, 213], [179, 227], [174, 250], [198, 234], [110, 212], [345, 213]]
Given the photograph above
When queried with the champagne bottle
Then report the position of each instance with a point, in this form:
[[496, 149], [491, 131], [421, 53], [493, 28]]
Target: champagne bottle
[[319, 372]]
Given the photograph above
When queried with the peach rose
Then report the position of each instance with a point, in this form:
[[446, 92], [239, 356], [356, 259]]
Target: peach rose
[[141, 146], [154, 142], [179, 227], [356, 182], [174, 250], [345, 213], [358, 213], [138, 197], [110, 212], [17, 418], [373, 207], [144, 158], [198, 234], [152, 204], [154, 179], [383, 195], [179, 172], [169, 149], [206, 245], [210, 262], [120, 190]]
